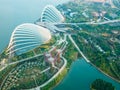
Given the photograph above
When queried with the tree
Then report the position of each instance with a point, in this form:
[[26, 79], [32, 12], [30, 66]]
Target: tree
[[100, 84]]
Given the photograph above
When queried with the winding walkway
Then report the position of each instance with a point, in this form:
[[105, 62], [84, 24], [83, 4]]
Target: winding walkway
[[60, 70], [47, 82], [6, 65], [89, 23]]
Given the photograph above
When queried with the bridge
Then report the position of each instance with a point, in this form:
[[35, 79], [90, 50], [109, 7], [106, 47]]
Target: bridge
[[82, 23]]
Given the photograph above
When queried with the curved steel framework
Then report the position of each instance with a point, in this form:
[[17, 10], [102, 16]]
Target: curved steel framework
[[26, 37], [50, 14], [116, 3]]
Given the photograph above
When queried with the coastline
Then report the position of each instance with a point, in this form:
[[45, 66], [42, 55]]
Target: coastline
[[105, 73], [52, 86], [67, 71], [48, 84], [61, 79], [89, 62]]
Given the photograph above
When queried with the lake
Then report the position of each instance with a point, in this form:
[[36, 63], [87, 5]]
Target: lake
[[15, 12], [81, 75]]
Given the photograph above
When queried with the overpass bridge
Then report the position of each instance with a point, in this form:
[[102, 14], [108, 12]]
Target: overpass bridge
[[82, 23]]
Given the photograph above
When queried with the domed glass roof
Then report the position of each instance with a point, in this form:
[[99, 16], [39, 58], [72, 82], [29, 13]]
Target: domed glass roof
[[51, 14], [26, 37]]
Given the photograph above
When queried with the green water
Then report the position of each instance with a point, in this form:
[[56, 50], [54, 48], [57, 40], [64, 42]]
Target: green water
[[81, 75], [15, 12]]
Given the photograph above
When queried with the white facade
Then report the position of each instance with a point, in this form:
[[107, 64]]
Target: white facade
[[26, 37], [51, 15]]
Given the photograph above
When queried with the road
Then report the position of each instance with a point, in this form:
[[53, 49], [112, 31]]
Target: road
[[89, 23], [6, 65], [47, 82], [65, 62], [60, 70], [78, 49], [25, 59]]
